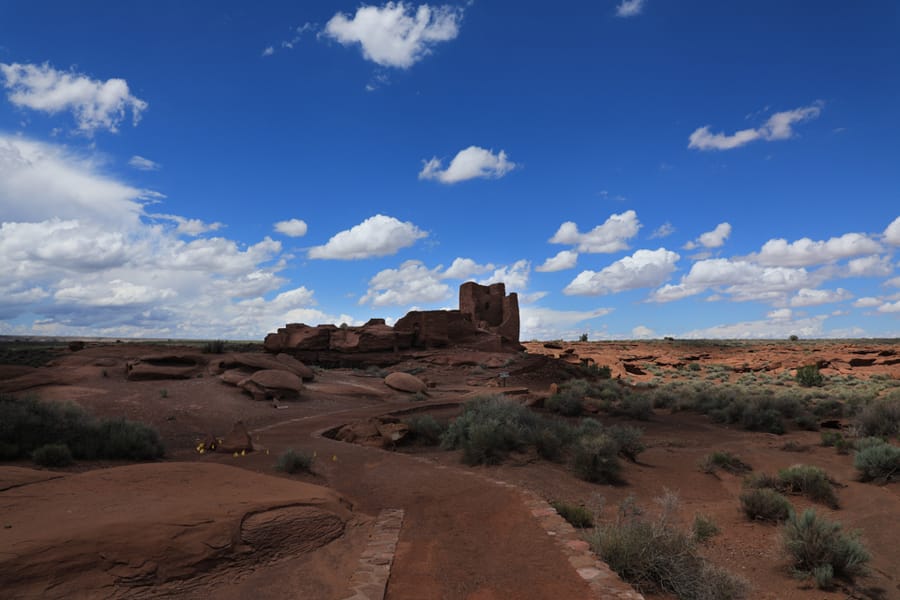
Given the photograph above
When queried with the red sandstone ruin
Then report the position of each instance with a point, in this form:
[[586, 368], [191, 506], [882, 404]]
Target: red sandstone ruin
[[487, 320]]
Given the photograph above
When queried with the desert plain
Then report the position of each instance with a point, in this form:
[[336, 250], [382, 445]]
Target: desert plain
[[382, 511]]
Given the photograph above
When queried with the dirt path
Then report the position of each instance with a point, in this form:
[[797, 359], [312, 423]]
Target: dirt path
[[463, 536]]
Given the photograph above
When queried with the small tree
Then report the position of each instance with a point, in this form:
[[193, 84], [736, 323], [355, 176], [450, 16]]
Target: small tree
[[583, 337], [809, 376]]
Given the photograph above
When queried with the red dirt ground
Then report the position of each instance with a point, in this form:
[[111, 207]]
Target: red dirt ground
[[462, 536]]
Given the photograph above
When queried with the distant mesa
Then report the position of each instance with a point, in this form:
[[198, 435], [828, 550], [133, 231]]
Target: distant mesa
[[487, 320]]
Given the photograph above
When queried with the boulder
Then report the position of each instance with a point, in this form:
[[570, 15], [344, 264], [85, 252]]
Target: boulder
[[234, 376], [165, 366], [257, 362], [237, 440], [270, 383], [405, 382], [305, 373]]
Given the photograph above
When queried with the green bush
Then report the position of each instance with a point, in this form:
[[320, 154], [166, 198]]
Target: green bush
[[704, 528], [765, 504], [552, 438], [655, 556], [425, 429], [725, 461], [880, 418], [628, 440], [569, 403], [830, 438], [807, 422], [809, 376], [489, 429], [577, 516], [53, 455], [595, 459], [878, 462], [292, 462], [813, 543], [809, 481], [26, 425]]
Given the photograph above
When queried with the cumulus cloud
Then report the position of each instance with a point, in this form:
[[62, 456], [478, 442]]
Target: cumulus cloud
[[890, 307], [396, 34], [867, 302], [806, 252], [892, 233], [611, 236], [464, 268], [780, 314], [741, 280], [711, 239], [538, 323], [515, 276], [291, 227], [630, 8], [644, 268], [642, 333], [412, 283], [144, 164], [79, 256], [664, 230], [471, 163], [376, 236], [95, 104], [773, 328], [778, 127], [565, 259], [811, 297], [870, 266]]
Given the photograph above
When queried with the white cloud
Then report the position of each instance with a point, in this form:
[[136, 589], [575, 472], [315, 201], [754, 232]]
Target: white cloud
[[811, 297], [412, 283], [711, 239], [395, 35], [515, 276], [565, 259], [894, 282], [471, 163], [644, 268], [537, 323], [642, 333], [775, 328], [78, 256], [890, 307], [376, 236], [629, 8], [870, 266], [144, 164], [611, 236], [192, 227], [805, 252], [741, 280], [464, 268], [778, 127], [291, 227], [95, 104], [780, 314], [867, 302], [664, 230], [268, 51], [892, 233]]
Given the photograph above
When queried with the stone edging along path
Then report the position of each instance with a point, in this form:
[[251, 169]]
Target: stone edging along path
[[369, 582]]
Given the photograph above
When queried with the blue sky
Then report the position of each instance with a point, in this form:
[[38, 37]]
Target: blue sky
[[630, 168]]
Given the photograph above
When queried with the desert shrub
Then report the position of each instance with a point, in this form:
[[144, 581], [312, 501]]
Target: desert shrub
[[694, 366], [878, 462], [757, 417], [214, 347], [765, 504], [628, 439], [634, 406], [880, 418], [809, 481], [568, 401], [597, 371], [793, 337], [831, 438], [588, 427], [807, 422], [577, 516], [843, 446], [793, 446], [703, 528], [292, 462], [489, 428], [655, 556], [829, 407], [813, 543], [809, 376], [583, 337], [26, 425], [663, 399], [425, 429], [53, 455], [725, 461], [867, 442], [595, 459]]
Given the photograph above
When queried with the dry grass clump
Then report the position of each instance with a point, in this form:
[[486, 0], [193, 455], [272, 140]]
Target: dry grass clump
[[819, 549]]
